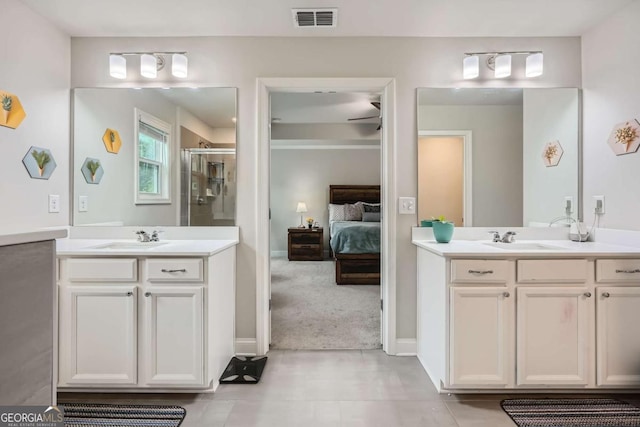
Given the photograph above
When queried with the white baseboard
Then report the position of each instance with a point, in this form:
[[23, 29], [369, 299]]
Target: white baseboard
[[279, 254], [246, 347], [406, 347]]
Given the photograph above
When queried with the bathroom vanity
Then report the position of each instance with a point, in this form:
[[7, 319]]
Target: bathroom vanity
[[550, 314], [155, 316]]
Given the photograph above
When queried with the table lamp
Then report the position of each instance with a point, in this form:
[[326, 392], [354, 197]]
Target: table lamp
[[302, 208]]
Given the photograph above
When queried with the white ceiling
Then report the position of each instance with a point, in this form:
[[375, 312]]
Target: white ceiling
[[214, 106], [325, 107], [423, 18]]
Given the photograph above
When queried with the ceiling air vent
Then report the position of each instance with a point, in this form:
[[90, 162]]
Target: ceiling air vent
[[315, 18]]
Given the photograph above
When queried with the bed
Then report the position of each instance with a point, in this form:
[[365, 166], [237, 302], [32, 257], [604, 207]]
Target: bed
[[356, 264]]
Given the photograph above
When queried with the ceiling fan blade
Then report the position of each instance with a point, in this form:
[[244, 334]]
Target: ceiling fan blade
[[365, 118], [376, 104]]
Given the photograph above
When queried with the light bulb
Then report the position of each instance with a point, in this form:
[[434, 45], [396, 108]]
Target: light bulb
[[148, 66], [179, 65], [470, 67], [503, 66], [117, 66], [534, 65]]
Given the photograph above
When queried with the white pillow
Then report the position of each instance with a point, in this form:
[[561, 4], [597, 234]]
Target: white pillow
[[337, 212]]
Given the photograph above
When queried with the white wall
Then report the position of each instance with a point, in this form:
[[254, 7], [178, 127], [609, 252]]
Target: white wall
[[305, 175], [610, 96], [35, 59], [195, 125], [550, 115], [413, 62], [113, 198], [496, 156]]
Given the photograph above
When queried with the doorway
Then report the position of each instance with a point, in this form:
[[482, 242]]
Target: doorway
[[444, 168], [384, 86]]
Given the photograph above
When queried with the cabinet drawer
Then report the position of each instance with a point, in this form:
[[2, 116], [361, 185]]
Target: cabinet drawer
[[305, 238], [479, 271], [618, 270], [102, 269], [175, 270], [552, 270]]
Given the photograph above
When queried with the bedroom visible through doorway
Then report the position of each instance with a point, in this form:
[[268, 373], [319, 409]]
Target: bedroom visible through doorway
[[318, 140]]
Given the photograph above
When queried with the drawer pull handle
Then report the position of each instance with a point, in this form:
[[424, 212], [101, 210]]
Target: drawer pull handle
[[606, 295], [480, 271], [506, 294], [129, 293], [181, 270], [587, 294], [147, 294], [637, 270]]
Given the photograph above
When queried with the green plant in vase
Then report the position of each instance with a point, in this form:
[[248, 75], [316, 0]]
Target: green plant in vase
[[93, 166], [442, 229], [42, 158], [7, 104]]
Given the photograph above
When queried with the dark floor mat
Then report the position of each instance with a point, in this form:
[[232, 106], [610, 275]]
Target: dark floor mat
[[244, 370]]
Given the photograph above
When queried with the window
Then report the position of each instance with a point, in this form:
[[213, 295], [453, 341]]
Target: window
[[153, 145]]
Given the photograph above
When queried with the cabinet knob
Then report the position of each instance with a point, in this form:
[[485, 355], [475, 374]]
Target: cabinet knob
[[129, 293], [587, 294], [606, 295], [506, 294], [147, 294]]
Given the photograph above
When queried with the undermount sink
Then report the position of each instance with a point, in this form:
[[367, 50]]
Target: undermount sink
[[524, 246], [130, 245]]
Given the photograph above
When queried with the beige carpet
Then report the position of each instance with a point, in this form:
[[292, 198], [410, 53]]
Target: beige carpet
[[309, 311]]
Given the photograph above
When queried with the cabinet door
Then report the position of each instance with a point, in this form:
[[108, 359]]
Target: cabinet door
[[552, 335], [174, 335], [100, 335], [617, 339], [480, 336]]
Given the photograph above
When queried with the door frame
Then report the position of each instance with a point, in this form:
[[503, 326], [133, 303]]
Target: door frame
[[467, 209], [386, 86]]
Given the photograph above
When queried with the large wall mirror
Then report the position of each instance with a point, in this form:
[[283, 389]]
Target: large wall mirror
[[154, 156], [498, 157]]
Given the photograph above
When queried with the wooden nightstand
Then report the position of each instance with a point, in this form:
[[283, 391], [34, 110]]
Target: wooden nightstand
[[306, 244]]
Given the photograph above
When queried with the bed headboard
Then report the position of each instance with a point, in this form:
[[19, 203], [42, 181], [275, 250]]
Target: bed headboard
[[341, 194]]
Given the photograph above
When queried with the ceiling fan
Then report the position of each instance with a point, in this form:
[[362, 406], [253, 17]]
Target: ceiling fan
[[376, 104]]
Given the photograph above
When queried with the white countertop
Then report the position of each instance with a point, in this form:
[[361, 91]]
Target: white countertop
[[91, 247], [16, 237], [567, 248]]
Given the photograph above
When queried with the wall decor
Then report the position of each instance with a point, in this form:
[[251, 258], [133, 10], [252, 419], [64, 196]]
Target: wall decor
[[92, 170], [112, 141], [11, 111], [625, 137], [552, 153], [39, 162]]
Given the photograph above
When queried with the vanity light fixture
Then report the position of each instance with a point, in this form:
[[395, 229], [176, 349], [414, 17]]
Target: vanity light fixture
[[150, 64], [500, 63]]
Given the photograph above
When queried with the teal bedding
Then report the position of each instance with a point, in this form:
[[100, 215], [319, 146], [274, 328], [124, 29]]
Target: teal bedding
[[355, 237]]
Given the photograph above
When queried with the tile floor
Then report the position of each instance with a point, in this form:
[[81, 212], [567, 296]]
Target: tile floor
[[330, 388]]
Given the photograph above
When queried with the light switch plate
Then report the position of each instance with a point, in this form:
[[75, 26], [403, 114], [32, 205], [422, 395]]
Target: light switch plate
[[83, 203], [54, 203], [407, 205]]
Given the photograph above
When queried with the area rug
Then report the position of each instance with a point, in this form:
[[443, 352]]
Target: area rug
[[108, 415], [310, 312], [571, 412]]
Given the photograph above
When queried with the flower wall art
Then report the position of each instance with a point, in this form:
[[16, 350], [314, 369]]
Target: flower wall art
[[625, 137], [552, 153]]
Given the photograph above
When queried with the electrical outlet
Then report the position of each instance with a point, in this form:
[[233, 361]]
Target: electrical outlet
[[407, 205], [568, 205], [54, 203], [598, 205], [83, 203]]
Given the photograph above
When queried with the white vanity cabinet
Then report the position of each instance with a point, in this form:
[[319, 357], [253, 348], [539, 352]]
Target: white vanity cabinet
[[617, 320], [161, 323]]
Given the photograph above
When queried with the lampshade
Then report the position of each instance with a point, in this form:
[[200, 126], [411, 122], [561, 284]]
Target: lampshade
[[534, 65], [471, 67], [148, 66], [117, 66], [503, 66], [302, 207], [179, 65]]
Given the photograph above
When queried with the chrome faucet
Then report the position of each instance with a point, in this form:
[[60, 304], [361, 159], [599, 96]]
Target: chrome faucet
[[508, 237], [143, 236], [155, 236]]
